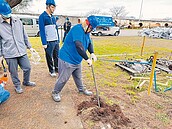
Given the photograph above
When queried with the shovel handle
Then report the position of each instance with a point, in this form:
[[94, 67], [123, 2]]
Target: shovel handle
[[97, 93]]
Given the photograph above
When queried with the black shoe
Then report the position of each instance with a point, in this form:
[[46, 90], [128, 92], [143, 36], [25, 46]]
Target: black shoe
[[29, 84]]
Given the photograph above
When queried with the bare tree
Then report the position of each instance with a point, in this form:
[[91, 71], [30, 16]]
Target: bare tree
[[94, 11], [167, 18], [118, 11], [23, 6], [104, 13], [13, 3]]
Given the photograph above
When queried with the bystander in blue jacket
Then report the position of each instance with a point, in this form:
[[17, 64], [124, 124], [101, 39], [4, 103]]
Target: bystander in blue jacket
[[50, 37]]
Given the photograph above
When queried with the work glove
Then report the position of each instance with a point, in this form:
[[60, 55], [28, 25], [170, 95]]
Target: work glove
[[32, 50], [89, 62], [93, 57], [45, 46]]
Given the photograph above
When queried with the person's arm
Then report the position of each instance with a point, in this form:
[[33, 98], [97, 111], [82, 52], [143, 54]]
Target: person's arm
[[64, 26], [25, 36], [42, 30], [90, 48], [26, 40], [80, 50], [69, 25], [57, 33], [91, 51]]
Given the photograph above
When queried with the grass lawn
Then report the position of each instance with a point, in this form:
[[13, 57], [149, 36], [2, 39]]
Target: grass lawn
[[118, 48]]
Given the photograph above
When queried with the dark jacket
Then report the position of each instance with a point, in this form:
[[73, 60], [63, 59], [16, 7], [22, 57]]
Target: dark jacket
[[67, 25]]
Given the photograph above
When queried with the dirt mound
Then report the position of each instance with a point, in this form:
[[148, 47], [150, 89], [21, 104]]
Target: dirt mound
[[107, 115]]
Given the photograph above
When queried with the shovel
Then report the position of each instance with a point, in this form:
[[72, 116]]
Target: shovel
[[97, 93]]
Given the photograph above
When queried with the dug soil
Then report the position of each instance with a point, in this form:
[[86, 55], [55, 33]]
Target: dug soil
[[111, 116]]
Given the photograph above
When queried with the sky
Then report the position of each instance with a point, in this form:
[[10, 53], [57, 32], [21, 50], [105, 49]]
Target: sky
[[151, 9]]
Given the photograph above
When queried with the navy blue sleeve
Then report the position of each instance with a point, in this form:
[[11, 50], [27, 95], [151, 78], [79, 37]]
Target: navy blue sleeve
[[42, 30], [57, 33], [80, 50], [90, 48]]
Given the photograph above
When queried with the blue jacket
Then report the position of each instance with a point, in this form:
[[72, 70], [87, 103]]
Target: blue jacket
[[67, 25], [68, 52], [48, 28]]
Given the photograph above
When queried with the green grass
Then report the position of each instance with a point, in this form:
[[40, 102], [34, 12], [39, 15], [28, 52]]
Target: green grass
[[114, 45], [37, 45], [107, 74]]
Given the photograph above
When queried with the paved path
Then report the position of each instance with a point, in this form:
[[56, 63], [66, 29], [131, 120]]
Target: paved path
[[128, 32]]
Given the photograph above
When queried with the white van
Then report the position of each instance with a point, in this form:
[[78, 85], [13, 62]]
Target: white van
[[30, 24], [105, 30]]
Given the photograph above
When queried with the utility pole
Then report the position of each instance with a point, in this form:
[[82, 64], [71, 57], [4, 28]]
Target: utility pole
[[140, 10]]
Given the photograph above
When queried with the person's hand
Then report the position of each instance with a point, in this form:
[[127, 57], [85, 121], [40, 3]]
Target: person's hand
[[93, 57], [32, 50], [89, 62], [45, 46]]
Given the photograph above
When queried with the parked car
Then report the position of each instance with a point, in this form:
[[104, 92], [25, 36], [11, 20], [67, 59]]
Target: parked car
[[105, 30], [30, 24]]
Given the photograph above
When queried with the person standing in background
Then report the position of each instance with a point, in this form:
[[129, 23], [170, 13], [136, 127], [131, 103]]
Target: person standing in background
[[13, 45], [79, 20], [59, 25], [57, 18], [67, 25], [50, 37]]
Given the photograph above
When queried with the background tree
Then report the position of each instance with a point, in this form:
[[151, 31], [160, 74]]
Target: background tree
[[13, 3], [118, 11], [105, 13], [23, 6], [168, 18], [94, 11]]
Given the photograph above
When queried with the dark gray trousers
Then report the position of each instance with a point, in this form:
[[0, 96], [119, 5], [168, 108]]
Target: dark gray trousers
[[65, 71], [24, 64]]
